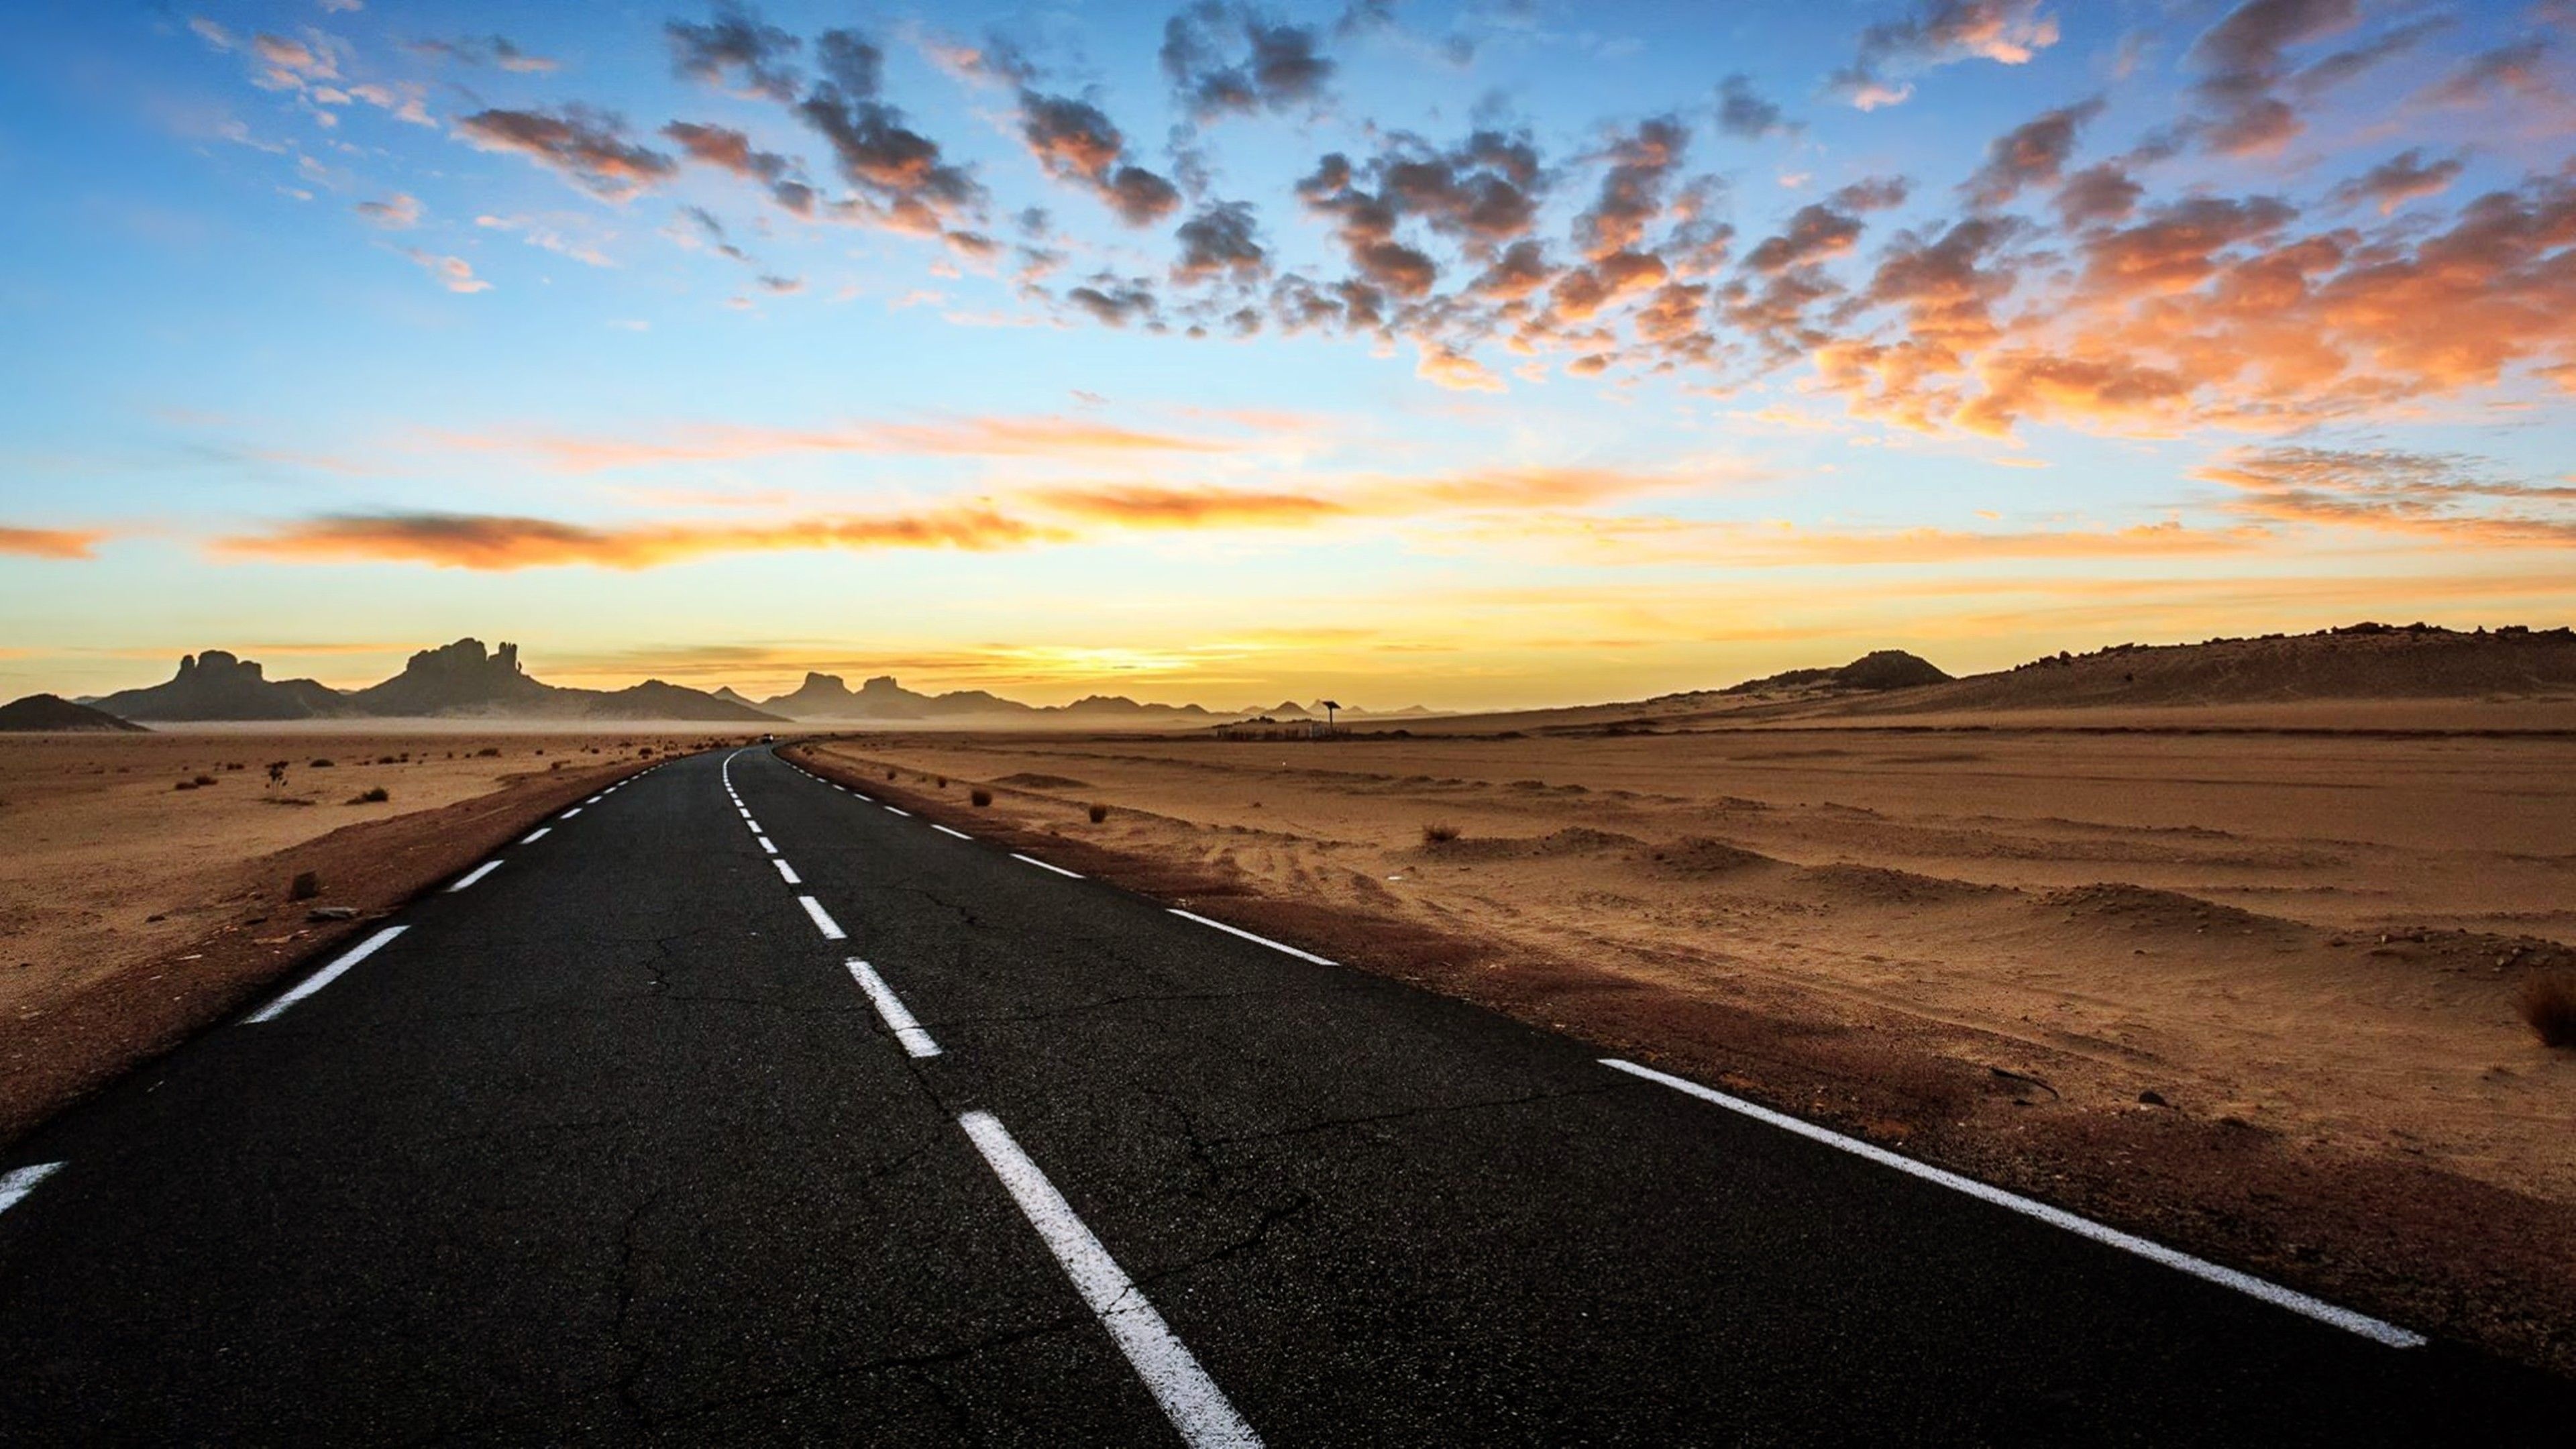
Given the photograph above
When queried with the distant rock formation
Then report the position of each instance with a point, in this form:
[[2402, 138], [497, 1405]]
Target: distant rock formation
[[459, 680], [52, 712], [220, 685], [1879, 669]]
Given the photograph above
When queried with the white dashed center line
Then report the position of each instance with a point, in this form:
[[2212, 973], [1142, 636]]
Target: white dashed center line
[[787, 872], [889, 1006], [533, 836], [765, 845], [754, 824], [471, 876], [16, 1185], [328, 974], [823, 921], [1189, 1397]]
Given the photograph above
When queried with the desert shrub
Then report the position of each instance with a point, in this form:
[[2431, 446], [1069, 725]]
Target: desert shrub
[[943, 782], [372, 795], [889, 774], [554, 765], [236, 765], [1438, 832], [488, 752], [321, 765], [304, 887], [185, 785], [205, 780], [2548, 1003], [981, 798], [1098, 812]]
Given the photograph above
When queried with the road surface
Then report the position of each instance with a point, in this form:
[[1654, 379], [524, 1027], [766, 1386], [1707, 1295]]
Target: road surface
[[735, 1106]]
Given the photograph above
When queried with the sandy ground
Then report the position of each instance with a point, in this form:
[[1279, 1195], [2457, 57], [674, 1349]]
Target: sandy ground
[[109, 865], [1965, 938]]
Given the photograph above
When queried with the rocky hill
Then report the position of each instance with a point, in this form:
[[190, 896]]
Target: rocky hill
[[2361, 661], [220, 685], [1876, 670], [52, 712]]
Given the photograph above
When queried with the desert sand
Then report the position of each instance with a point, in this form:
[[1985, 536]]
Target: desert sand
[[2070, 955]]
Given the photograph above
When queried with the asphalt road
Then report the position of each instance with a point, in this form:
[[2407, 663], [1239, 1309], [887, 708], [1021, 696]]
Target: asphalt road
[[615, 1142]]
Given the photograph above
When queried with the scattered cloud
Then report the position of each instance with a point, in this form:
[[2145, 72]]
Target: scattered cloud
[[54, 543], [588, 147], [454, 273], [498, 51], [398, 212]]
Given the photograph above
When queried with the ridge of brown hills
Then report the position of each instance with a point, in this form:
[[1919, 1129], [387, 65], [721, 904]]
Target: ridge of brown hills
[[2366, 661]]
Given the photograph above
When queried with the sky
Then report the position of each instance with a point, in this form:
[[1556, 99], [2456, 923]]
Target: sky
[[1471, 355]]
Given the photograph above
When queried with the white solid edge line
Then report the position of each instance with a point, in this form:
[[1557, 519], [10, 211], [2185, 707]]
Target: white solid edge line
[[533, 836], [889, 1006], [1042, 865], [326, 975], [765, 845], [1190, 1399], [787, 872], [16, 1185], [823, 921], [905, 813], [471, 876], [944, 830], [1247, 935], [567, 815], [2245, 1283]]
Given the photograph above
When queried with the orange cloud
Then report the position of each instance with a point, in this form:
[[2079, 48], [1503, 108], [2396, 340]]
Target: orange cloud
[[2396, 492], [500, 543], [50, 542], [1006, 437]]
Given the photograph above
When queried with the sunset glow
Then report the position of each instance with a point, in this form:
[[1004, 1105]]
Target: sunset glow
[[1464, 355]]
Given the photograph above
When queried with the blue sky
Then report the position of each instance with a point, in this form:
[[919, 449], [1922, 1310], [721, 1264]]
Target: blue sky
[[1474, 355]]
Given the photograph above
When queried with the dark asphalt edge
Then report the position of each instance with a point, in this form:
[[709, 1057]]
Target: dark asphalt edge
[[935, 811]]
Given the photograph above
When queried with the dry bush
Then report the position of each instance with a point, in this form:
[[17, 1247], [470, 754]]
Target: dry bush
[[889, 774], [488, 752], [1099, 812], [321, 765], [305, 887], [943, 782], [1438, 832], [185, 785], [373, 795], [205, 780], [981, 798], [2548, 1002]]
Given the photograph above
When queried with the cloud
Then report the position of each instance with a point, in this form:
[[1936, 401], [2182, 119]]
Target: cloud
[[399, 212], [453, 273], [1276, 66], [730, 150], [2516, 71], [903, 175], [2243, 60], [588, 147], [1074, 140], [493, 50], [735, 49], [1937, 33], [993, 436], [2031, 154], [1825, 229], [2099, 193], [55, 543], [1632, 190], [1743, 113], [500, 543], [2392, 490], [1117, 303], [1218, 244], [2398, 180]]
